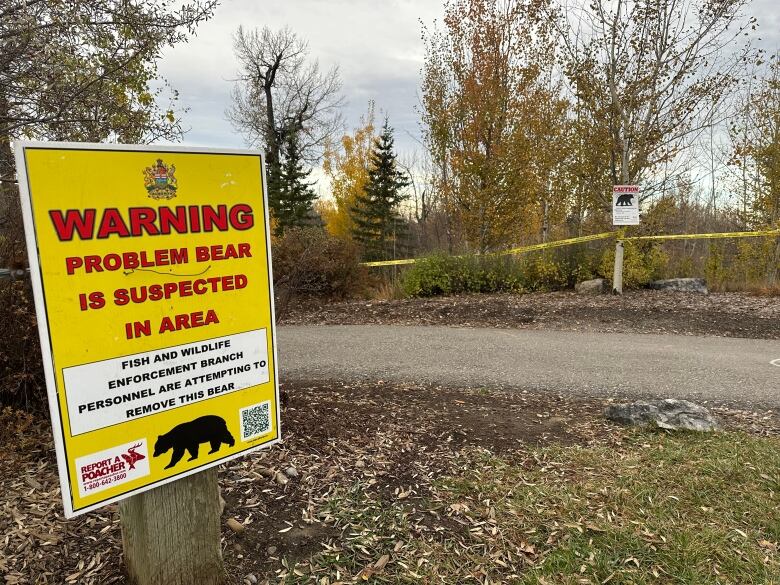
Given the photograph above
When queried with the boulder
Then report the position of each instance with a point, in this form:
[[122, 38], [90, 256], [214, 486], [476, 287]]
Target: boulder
[[692, 285], [666, 414], [597, 286]]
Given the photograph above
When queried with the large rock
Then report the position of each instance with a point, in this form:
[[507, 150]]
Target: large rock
[[666, 414], [596, 286], [693, 285]]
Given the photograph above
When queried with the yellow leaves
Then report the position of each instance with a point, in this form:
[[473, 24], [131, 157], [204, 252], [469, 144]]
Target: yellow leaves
[[274, 224], [371, 569], [527, 548], [346, 166], [459, 508], [494, 124]]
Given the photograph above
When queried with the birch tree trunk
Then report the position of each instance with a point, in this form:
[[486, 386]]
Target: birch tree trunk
[[171, 534]]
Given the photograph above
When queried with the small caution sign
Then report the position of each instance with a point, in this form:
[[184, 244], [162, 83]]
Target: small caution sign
[[152, 280], [625, 204]]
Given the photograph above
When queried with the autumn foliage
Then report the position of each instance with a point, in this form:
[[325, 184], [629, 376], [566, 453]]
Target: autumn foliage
[[346, 165], [485, 75]]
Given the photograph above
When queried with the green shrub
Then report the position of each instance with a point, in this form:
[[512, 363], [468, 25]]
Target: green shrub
[[543, 272], [642, 262], [583, 271], [550, 270], [685, 267], [715, 269], [753, 262], [430, 276], [441, 274]]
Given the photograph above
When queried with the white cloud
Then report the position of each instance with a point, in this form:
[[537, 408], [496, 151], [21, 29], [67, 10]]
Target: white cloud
[[375, 43]]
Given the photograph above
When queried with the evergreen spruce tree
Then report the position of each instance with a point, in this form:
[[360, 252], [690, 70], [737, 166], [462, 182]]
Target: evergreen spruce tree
[[375, 213], [290, 196], [274, 185]]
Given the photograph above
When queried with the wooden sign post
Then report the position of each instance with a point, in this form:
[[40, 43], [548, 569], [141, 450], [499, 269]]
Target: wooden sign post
[[152, 281], [170, 534]]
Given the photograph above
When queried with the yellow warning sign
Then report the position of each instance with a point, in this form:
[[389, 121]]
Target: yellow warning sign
[[151, 271]]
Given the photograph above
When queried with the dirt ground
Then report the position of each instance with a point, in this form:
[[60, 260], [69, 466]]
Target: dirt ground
[[396, 439], [718, 314]]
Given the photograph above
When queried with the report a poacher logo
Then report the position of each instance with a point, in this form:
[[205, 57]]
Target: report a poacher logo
[[112, 467], [160, 181], [131, 457]]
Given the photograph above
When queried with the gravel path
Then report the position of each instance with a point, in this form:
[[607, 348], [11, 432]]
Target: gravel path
[[575, 363]]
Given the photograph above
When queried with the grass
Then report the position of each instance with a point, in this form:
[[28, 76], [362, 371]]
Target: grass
[[663, 508], [652, 508]]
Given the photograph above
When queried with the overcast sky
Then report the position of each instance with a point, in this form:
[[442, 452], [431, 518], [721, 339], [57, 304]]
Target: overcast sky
[[376, 44]]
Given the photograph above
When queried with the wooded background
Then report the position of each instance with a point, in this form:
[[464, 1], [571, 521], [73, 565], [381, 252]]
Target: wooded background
[[530, 110]]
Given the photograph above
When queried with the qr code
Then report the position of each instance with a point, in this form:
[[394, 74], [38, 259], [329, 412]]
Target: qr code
[[255, 420]]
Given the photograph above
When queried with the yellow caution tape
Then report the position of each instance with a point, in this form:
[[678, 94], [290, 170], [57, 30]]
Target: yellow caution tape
[[391, 262], [602, 236], [556, 244], [521, 250], [707, 236]]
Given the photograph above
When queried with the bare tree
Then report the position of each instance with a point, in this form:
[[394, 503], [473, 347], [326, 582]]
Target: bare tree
[[280, 92], [655, 73], [415, 166], [424, 207]]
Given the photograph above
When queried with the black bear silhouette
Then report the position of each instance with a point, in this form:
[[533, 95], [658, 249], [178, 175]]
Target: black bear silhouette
[[189, 435], [625, 200]]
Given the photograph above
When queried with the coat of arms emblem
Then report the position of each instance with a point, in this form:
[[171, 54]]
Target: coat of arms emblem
[[160, 181]]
